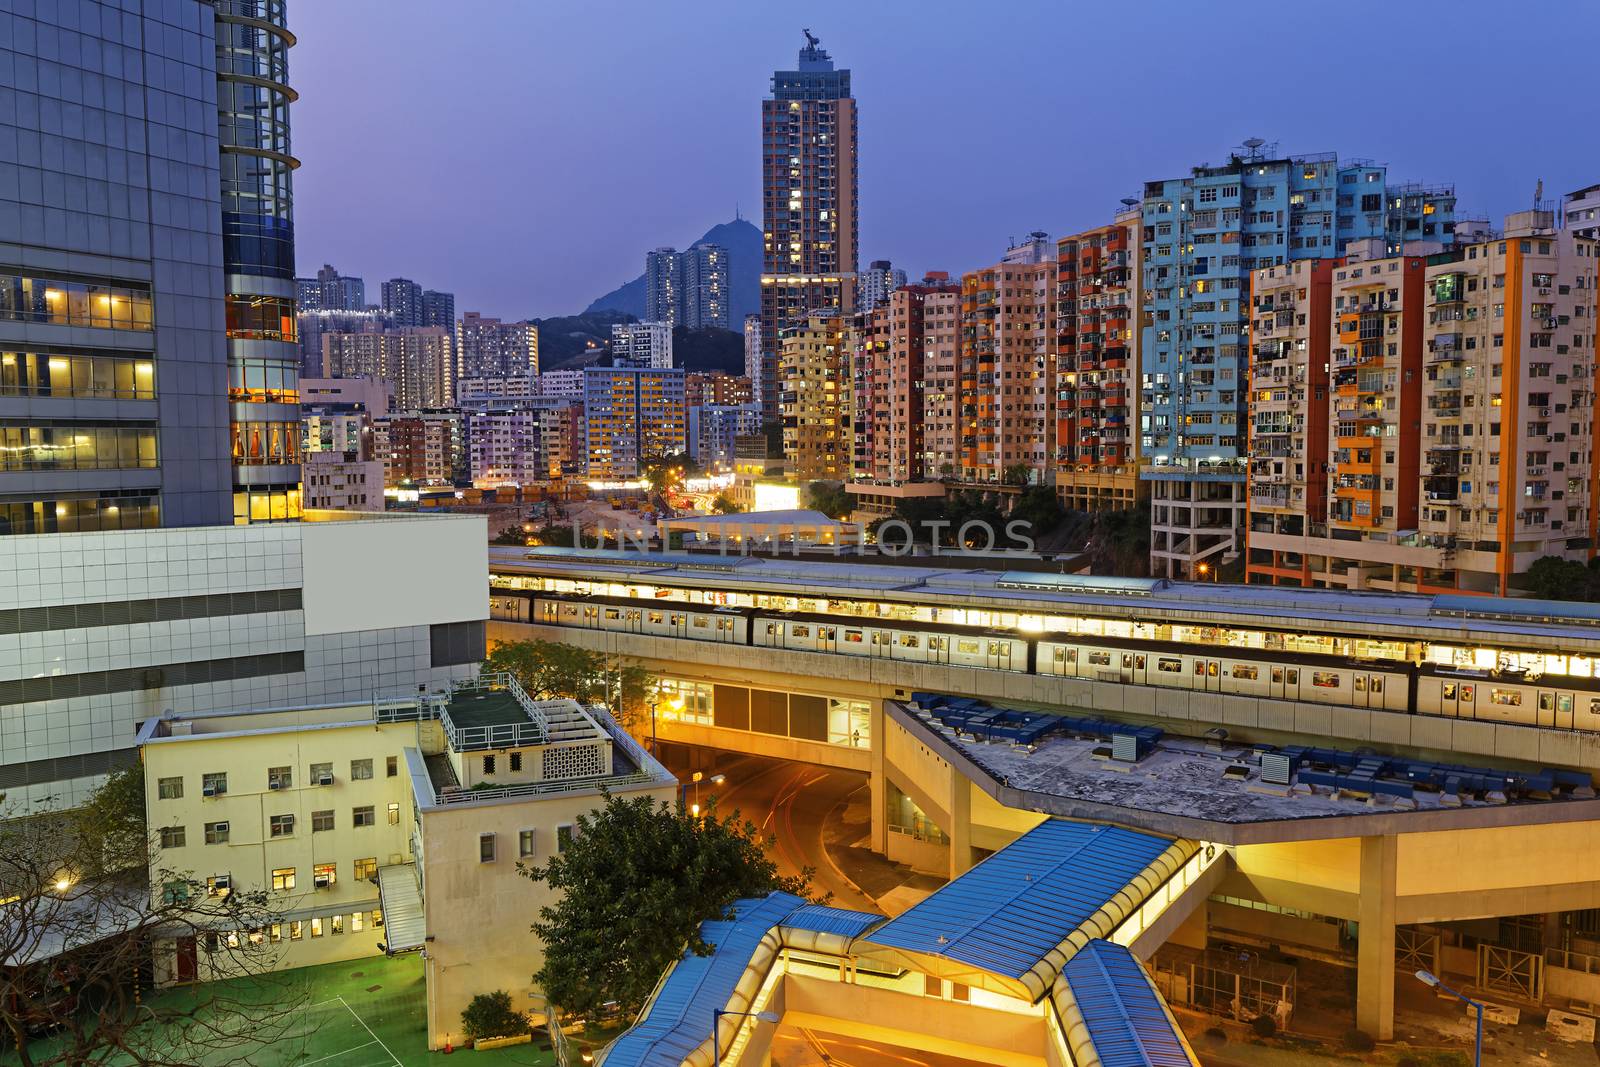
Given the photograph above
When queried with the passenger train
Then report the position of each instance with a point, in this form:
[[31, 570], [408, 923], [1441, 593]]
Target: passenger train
[[1507, 696]]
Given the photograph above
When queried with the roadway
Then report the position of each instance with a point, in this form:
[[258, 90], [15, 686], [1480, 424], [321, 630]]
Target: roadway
[[790, 802], [795, 1046]]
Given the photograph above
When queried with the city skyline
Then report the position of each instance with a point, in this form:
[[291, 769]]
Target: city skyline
[[542, 231]]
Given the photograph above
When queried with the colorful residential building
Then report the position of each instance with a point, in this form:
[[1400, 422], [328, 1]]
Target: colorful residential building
[[1203, 236], [1098, 315], [1509, 395], [1336, 420], [889, 370], [631, 413], [421, 447], [1007, 368], [815, 403]]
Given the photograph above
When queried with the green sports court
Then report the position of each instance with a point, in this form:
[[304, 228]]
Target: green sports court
[[364, 1013]]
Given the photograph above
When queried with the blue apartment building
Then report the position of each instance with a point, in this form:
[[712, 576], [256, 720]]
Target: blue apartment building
[[1203, 235]]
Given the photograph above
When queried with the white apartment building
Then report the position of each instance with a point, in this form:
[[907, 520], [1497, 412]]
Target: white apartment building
[[642, 344], [100, 632]]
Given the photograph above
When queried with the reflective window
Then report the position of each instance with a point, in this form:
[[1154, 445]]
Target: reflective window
[[61, 302], [261, 318], [77, 447], [60, 373]]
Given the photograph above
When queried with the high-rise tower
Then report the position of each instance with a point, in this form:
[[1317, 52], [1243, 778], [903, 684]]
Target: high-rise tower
[[808, 178], [253, 98]]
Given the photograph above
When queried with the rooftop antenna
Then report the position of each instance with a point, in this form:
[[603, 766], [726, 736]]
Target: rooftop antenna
[[811, 41], [1538, 194], [1254, 144]]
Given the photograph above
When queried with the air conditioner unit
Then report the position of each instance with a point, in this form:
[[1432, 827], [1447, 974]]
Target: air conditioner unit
[[221, 883], [274, 784], [324, 779], [221, 827], [208, 791], [322, 881]]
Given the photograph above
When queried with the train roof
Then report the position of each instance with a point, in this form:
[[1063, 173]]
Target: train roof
[[1481, 619]]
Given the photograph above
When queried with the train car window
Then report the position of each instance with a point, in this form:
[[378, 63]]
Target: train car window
[[1361, 683], [854, 637], [1212, 668], [1200, 668], [1138, 662], [799, 630], [655, 617], [1171, 666], [936, 643], [825, 632], [1594, 705], [1101, 658], [1376, 685], [1466, 692], [677, 620], [591, 613], [613, 613], [1564, 703], [1292, 676], [1449, 690], [699, 622], [1509, 697], [634, 615], [1277, 675], [969, 648], [1127, 660], [1547, 701], [994, 648], [772, 627], [1324, 679], [1245, 672], [909, 641]]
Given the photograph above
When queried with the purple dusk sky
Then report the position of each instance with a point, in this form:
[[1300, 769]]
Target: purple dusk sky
[[526, 153]]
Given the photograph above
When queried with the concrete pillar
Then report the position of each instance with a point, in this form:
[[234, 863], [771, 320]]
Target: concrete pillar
[[1553, 931], [1375, 949], [877, 789], [960, 824]]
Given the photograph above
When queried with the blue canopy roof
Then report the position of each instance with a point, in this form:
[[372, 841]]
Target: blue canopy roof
[[1127, 1023], [826, 920], [678, 1020], [1009, 911]]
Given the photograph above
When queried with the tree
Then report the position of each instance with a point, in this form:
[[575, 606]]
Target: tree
[[93, 911], [723, 505], [1039, 507], [491, 1015], [511, 535], [547, 670], [1555, 578], [830, 498], [634, 885], [1017, 474]]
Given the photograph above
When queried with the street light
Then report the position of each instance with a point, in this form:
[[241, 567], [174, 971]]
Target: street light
[[1427, 978], [716, 1018]]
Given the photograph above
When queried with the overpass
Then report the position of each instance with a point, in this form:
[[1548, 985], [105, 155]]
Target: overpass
[[1331, 816]]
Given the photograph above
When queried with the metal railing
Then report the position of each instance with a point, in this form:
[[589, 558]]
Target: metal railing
[[544, 788], [536, 731]]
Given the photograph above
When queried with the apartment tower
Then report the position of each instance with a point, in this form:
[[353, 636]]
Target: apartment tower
[[808, 179]]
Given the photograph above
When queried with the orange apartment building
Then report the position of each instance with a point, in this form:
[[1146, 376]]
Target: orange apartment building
[[1006, 372], [1098, 277], [1455, 412]]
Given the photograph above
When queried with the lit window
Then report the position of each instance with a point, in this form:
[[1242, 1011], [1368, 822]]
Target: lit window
[[283, 878]]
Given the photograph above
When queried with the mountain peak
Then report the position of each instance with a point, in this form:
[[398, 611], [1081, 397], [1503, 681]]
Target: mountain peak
[[742, 239]]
